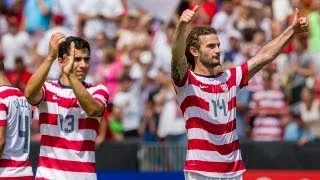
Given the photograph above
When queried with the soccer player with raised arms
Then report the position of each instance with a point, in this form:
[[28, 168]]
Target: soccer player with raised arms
[[207, 96], [69, 111]]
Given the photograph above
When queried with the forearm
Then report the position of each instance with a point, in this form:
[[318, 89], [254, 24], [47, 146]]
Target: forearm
[[269, 52], [179, 63], [92, 107], [34, 85]]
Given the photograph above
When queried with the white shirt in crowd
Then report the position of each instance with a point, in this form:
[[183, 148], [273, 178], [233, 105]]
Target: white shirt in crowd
[[15, 46], [111, 8]]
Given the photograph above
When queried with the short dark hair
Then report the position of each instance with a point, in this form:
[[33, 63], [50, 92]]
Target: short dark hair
[[79, 43], [192, 40]]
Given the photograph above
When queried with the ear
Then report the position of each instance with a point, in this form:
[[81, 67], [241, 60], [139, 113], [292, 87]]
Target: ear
[[63, 59], [194, 51]]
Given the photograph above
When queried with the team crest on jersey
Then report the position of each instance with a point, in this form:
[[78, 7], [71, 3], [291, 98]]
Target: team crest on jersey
[[224, 87]]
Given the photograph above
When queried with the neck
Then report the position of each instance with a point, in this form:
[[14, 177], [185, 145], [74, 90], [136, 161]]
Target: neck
[[208, 71], [64, 80], [4, 80]]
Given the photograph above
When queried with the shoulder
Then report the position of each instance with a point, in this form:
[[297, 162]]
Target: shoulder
[[97, 89], [8, 91], [50, 84]]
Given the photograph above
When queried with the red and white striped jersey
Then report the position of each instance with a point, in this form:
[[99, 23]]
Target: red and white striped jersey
[[15, 115], [209, 107], [267, 122], [67, 133]]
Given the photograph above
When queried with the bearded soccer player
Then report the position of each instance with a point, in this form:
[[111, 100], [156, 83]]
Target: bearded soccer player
[[15, 119], [69, 111], [207, 96]]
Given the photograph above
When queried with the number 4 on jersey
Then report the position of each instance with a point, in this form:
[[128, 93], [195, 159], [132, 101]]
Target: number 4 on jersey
[[24, 131]]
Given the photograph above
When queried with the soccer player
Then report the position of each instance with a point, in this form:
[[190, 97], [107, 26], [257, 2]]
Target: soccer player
[[69, 111], [206, 95], [15, 119]]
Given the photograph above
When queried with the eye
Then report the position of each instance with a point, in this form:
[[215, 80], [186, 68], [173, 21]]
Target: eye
[[77, 59], [211, 46], [86, 59]]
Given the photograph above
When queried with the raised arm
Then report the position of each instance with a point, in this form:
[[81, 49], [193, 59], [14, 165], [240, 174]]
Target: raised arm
[[179, 63], [272, 49], [33, 89], [92, 107]]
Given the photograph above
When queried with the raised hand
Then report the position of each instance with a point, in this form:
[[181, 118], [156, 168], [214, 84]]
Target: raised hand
[[188, 15], [299, 24], [68, 61], [56, 39]]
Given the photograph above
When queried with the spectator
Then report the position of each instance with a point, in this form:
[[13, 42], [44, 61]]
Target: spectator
[[127, 99], [109, 71], [266, 118], [245, 20], [162, 47], [300, 68], [243, 100], [134, 32], [19, 77], [297, 131], [15, 44], [314, 26], [69, 11], [229, 57], [223, 23], [37, 15], [171, 122], [100, 43], [309, 108], [103, 15], [149, 124]]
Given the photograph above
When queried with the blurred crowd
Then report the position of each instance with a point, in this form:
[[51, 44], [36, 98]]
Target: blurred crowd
[[131, 54]]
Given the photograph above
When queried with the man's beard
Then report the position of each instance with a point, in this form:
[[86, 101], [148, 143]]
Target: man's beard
[[208, 62]]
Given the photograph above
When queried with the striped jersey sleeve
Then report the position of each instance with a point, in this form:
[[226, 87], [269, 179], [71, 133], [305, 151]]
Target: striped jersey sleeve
[[242, 77], [101, 94]]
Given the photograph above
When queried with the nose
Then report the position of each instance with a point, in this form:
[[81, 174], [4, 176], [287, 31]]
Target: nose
[[217, 50], [83, 64]]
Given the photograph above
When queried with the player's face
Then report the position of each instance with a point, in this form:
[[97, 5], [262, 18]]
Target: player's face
[[81, 63], [209, 50]]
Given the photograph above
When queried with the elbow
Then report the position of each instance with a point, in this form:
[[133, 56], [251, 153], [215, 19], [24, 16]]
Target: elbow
[[28, 94], [95, 112]]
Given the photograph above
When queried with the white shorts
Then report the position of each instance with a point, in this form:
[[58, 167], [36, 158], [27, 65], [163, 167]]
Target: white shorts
[[196, 176]]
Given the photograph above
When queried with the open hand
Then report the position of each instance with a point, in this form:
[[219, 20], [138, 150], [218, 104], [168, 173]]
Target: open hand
[[68, 61], [56, 39], [299, 24], [188, 15]]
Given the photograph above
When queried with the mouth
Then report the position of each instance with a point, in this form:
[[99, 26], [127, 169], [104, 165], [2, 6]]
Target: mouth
[[216, 58], [80, 73]]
